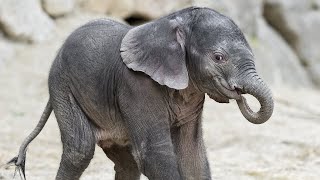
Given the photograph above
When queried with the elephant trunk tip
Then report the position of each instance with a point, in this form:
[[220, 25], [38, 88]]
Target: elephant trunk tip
[[266, 106]]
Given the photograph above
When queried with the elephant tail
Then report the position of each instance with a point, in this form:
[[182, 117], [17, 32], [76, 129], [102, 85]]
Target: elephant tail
[[19, 161]]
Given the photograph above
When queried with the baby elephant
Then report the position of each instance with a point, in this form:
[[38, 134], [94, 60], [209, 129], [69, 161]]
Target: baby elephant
[[138, 93]]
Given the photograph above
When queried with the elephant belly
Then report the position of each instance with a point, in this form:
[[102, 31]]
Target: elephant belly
[[109, 127]]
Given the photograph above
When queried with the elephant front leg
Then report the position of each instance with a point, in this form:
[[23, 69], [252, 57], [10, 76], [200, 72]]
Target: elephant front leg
[[191, 152], [154, 153], [149, 130], [144, 111]]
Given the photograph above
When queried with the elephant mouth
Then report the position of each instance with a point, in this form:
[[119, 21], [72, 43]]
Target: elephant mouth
[[228, 92], [224, 94], [219, 98]]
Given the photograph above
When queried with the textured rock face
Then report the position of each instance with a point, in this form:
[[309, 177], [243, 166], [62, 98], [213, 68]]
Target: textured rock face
[[98, 6], [274, 55], [25, 20], [299, 23], [149, 9], [58, 8]]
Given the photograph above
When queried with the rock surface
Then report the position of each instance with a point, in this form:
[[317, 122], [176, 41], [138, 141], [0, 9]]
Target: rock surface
[[274, 55], [299, 23], [148, 9], [98, 6], [58, 8], [25, 20]]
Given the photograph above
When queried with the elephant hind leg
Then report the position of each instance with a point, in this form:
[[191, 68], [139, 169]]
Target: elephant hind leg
[[76, 135], [124, 164]]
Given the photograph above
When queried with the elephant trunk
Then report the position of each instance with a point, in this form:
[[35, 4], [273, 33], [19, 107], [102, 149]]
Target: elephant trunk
[[257, 88]]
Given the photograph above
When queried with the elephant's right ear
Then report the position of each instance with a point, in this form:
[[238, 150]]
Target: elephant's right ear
[[157, 49]]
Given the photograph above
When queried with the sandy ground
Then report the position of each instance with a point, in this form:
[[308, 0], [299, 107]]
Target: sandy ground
[[287, 147]]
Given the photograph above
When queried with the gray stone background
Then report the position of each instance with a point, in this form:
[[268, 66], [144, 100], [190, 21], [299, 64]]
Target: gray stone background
[[284, 35]]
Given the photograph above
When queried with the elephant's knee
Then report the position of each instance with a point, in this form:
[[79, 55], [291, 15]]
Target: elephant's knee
[[157, 160], [78, 158]]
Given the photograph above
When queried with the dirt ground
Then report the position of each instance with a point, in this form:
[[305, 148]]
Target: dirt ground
[[287, 147]]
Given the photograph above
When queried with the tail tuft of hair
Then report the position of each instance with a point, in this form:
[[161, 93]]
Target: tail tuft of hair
[[20, 167]]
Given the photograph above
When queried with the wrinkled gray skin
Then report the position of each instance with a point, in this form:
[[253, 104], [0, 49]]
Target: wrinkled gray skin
[[138, 93]]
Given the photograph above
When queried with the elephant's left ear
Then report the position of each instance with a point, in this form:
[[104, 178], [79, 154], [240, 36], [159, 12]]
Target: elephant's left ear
[[157, 49]]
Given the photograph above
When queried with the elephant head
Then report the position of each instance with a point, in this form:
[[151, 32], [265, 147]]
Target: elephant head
[[201, 47]]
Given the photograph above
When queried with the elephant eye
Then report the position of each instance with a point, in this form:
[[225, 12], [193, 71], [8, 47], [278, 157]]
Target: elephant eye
[[218, 57]]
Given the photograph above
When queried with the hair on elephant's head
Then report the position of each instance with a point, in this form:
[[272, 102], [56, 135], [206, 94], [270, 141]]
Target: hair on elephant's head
[[201, 47]]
